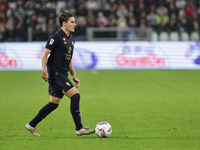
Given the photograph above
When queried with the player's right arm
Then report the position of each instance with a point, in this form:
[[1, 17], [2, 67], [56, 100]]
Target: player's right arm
[[45, 54]]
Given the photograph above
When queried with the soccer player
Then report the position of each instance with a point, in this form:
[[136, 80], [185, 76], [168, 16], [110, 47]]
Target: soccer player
[[60, 46]]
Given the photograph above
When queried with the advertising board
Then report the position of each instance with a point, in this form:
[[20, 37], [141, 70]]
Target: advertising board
[[107, 55]]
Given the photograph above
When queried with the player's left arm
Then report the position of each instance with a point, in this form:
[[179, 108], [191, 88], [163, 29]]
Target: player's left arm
[[72, 72]]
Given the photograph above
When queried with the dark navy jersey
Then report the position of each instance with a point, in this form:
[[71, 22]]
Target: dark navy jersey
[[61, 47]]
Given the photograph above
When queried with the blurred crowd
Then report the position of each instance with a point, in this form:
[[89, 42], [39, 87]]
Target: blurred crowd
[[20, 19]]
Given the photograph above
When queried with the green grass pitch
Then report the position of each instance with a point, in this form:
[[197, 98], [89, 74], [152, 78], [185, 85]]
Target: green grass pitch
[[147, 109]]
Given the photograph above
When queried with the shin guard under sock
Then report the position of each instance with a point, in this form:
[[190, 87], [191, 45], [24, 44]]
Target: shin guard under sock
[[74, 107]]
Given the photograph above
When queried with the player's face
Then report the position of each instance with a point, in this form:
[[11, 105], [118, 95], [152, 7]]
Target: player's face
[[70, 25]]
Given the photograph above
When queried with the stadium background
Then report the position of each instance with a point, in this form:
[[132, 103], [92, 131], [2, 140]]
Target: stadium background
[[139, 71], [29, 20], [172, 26]]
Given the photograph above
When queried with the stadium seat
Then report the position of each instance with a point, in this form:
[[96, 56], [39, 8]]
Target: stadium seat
[[154, 36], [174, 36], [164, 36], [194, 36], [185, 36]]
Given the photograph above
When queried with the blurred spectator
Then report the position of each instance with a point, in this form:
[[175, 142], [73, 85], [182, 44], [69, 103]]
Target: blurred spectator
[[169, 2], [161, 17], [180, 3], [195, 17], [161, 9], [185, 25], [41, 25], [143, 15], [138, 10], [172, 25], [150, 2], [80, 34], [21, 12], [112, 21], [20, 31], [130, 14], [64, 9], [151, 16], [182, 13], [91, 5], [191, 9], [122, 11], [121, 22], [30, 10], [142, 28], [113, 4], [30, 2], [51, 11], [101, 20], [41, 4], [9, 35], [39, 18], [10, 13], [112, 11], [173, 16], [70, 4], [79, 2], [41, 10], [154, 25], [172, 9], [32, 22], [163, 26], [72, 10], [81, 11], [131, 7], [2, 31], [104, 7], [91, 19], [196, 26], [40, 34], [151, 8], [4, 7], [19, 5], [51, 27], [120, 2], [132, 22]]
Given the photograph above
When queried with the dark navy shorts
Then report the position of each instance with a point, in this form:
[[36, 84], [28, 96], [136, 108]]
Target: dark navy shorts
[[58, 82]]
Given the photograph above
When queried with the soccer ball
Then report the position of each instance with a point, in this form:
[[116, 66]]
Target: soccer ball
[[103, 129]]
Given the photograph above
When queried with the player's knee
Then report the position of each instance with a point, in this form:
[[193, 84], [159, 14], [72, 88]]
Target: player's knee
[[55, 100], [71, 92], [75, 96]]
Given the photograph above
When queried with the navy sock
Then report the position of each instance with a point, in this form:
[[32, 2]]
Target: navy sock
[[74, 107], [47, 109]]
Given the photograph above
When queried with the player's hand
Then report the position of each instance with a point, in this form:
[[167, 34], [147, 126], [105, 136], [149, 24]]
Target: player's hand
[[45, 75], [76, 80]]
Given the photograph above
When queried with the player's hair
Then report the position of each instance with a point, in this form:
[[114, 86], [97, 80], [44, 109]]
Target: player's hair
[[64, 17]]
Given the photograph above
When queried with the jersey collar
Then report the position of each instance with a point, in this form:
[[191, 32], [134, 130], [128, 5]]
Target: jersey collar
[[65, 34]]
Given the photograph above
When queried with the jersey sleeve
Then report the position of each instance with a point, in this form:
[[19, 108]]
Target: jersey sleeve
[[52, 42]]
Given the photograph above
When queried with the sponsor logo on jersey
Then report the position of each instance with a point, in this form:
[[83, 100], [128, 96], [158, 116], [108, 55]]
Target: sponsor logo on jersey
[[69, 50], [64, 41], [51, 42], [67, 83]]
